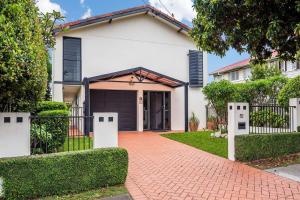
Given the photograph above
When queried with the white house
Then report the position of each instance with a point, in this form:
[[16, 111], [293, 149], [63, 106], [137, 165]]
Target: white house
[[241, 71], [138, 62]]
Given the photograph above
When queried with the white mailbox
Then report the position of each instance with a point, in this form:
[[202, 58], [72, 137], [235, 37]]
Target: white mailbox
[[105, 130], [238, 124], [14, 134]]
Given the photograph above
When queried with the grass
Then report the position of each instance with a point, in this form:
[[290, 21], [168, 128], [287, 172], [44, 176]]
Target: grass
[[202, 140], [77, 143], [92, 194]]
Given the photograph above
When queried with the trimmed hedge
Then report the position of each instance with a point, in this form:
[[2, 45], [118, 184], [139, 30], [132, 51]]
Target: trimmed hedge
[[259, 146], [63, 173], [50, 105]]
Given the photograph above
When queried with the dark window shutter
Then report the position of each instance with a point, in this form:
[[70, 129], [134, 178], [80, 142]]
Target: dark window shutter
[[195, 68]]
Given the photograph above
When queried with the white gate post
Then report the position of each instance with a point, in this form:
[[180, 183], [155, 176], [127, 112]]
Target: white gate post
[[238, 124], [295, 121], [105, 130], [14, 134]]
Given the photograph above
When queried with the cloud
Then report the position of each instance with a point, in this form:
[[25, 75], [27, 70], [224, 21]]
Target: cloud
[[48, 6], [87, 14], [81, 2], [182, 9]]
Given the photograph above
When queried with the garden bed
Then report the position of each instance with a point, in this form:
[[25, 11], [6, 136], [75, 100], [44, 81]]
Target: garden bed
[[92, 194], [202, 140], [281, 161]]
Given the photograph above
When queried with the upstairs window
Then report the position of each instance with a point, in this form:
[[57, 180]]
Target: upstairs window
[[71, 59], [234, 75]]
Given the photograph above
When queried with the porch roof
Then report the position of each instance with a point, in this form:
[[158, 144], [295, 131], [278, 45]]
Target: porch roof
[[141, 74]]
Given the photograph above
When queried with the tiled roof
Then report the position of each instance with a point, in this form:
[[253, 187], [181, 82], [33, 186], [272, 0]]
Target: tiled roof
[[233, 66], [123, 13], [238, 65]]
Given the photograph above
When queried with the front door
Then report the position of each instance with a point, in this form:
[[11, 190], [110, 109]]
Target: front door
[[156, 110]]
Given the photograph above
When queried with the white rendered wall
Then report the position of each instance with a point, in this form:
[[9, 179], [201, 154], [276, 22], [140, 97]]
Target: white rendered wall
[[132, 42], [14, 136], [296, 113], [105, 132]]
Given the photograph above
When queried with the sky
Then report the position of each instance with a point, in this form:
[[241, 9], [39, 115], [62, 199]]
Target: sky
[[182, 10]]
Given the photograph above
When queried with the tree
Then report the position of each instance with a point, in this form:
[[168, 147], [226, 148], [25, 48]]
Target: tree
[[219, 94], [48, 22], [25, 36], [254, 26], [290, 90], [23, 56], [262, 71]]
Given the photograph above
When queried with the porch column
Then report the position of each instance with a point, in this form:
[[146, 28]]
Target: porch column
[[140, 112], [186, 107]]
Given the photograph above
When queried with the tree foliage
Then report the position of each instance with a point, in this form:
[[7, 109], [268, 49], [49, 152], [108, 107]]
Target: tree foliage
[[23, 57], [262, 71], [219, 94], [25, 35], [255, 26], [290, 90], [260, 91]]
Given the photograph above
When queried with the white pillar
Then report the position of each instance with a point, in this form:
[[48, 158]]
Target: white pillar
[[295, 121], [14, 134], [140, 110], [105, 130], [238, 124]]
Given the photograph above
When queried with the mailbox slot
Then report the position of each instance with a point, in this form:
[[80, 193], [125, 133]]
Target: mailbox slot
[[241, 125]]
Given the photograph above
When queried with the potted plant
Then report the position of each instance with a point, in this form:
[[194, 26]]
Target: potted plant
[[193, 123], [211, 123]]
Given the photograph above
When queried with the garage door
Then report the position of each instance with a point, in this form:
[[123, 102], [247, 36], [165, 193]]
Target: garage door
[[122, 102]]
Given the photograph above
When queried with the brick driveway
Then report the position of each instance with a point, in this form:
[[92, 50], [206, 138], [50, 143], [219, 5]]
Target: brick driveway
[[160, 168]]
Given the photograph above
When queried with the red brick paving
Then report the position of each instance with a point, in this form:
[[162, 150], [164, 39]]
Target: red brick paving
[[160, 168]]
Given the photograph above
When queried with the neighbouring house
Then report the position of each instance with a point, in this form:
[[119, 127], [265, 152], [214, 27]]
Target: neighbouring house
[[138, 62], [241, 71]]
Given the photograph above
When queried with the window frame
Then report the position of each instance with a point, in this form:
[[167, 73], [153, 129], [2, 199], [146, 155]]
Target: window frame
[[63, 52], [236, 75]]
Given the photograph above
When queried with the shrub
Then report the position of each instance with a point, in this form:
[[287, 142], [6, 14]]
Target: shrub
[[63, 173], [268, 118], [219, 94], [290, 90], [49, 131], [258, 146], [50, 105]]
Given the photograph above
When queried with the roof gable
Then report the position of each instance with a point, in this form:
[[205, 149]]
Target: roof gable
[[109, 17]]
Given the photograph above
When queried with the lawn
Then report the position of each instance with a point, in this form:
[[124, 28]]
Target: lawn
[[77, 143], [201, 140], [92, 194]]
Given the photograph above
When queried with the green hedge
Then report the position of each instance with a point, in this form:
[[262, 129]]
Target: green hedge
[[258, 146], [63, 173], [50, 105]]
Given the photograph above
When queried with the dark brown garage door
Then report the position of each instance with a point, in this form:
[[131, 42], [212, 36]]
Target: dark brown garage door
[[122, 102]]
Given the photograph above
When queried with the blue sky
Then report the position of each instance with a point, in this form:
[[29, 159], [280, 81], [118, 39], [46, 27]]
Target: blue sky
[[76, 9]]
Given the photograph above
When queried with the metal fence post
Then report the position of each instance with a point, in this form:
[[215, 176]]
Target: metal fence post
[[238, 124]]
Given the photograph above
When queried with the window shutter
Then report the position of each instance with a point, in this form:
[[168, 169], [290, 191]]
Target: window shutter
[[195, 68]]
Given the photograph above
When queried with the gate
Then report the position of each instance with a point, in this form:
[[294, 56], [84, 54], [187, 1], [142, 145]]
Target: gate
[[52, 134]]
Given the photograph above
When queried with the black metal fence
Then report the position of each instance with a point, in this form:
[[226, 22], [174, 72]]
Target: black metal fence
[[271, 119], [60, 133]]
